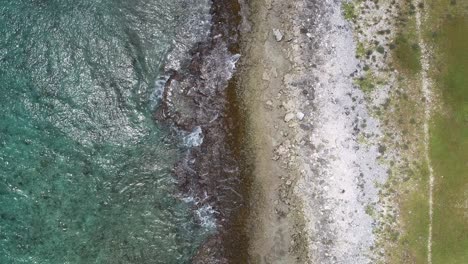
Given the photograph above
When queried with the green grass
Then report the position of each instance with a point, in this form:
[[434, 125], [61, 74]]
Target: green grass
[[446, 32], [415, 210], [405, 49], [449, 143], [445, 26], [366, 83], [349, 11], [370, 210], [360, 50], [411, 179], [407, 53]]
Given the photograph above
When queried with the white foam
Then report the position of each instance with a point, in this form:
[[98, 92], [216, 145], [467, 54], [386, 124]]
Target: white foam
[[157, 94], [195, 138], [205, 215], [232, 63]]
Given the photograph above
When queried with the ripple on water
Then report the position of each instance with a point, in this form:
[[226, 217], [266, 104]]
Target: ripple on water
[[84, 171]]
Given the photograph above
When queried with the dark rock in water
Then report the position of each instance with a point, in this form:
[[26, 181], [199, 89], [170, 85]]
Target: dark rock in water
[[195, 97], [210, 253]]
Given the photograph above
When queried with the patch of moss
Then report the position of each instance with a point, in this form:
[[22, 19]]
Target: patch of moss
[[407, 54], [360, 50], [414, 213], [349, 11], [370, 210], [380, 49], [366, 82]]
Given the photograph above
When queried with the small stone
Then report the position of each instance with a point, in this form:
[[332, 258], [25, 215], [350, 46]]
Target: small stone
[[266, 76], [274, 72], [300, 116], [278, 35], [288, 117], [269, 103]]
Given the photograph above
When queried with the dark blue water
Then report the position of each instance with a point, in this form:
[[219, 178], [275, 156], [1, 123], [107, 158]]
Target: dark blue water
[[84, 169]]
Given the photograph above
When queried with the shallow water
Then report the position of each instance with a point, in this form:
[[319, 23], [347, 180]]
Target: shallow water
[[84, 170]]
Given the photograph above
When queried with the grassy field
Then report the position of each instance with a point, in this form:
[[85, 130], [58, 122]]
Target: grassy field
[[407, 116], [445, 30], [449, 132]]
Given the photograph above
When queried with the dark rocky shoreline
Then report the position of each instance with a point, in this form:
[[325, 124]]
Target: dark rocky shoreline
[[202, 96]]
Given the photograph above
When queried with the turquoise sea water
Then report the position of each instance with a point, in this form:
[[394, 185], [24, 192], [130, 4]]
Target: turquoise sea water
[[84, 170]]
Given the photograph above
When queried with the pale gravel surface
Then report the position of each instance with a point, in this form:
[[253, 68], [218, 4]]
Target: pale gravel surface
[[345, 154], [339, 174], [324, 131], [313, 118]]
